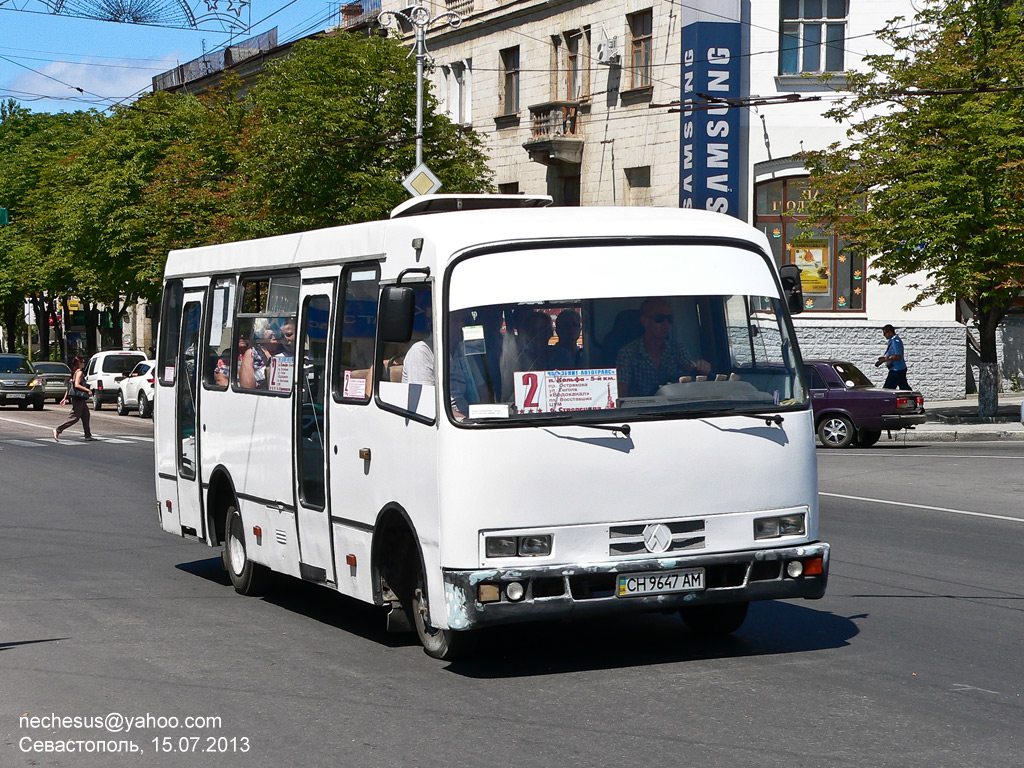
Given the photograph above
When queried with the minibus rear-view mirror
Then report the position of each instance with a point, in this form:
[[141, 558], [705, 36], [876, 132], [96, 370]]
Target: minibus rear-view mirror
[[397, 306], [789, 275]]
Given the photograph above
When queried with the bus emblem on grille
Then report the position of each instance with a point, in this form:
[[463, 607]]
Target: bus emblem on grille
[[657, 537]]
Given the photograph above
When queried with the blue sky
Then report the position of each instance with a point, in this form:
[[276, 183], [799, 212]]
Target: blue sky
[[44, 58]]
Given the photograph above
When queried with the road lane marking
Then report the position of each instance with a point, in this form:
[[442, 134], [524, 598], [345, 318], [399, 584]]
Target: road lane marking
[[923, 506], [933, 455], [24, 423]]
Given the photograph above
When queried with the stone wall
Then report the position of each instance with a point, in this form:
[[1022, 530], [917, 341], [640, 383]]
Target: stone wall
[[935, 352]]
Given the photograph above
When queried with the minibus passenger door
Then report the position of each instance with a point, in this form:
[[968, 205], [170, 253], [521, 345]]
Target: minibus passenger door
[[310, 430], [190, 508]]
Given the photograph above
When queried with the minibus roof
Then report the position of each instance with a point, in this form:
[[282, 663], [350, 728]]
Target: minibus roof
[[446, 234]]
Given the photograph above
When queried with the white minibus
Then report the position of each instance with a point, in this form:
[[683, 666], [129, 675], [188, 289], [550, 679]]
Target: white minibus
[[488, 410]]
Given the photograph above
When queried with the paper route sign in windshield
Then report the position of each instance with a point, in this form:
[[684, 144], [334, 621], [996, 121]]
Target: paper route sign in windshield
[[591, 389]]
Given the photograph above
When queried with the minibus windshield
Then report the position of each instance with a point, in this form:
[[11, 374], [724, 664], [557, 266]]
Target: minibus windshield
[[594, 354]]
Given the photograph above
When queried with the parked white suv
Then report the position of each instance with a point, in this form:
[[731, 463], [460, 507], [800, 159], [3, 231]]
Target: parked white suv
[[105, 370], [135, 391]]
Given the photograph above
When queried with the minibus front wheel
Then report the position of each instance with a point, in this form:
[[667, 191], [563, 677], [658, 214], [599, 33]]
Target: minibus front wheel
[[247, 577], [444, 644]]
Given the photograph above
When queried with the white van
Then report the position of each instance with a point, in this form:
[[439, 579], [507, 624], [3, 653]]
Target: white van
[[457, 413], [105, 370]]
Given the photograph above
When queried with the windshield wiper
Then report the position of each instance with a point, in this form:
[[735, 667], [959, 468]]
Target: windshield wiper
[[728, 410], [769, 418], [623, 428], [560, 419]]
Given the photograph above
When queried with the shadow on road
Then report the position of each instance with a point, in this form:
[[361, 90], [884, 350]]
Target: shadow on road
[[771, 628], [545, 648], [7, 646], [314, 602]]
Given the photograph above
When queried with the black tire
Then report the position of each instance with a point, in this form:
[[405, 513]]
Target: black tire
[[23, 406], [38, 404], [247, 577], [715, 620], [867, 437], [443, 644], [836, 431], [97, 404], [122, 406], [145, 407]]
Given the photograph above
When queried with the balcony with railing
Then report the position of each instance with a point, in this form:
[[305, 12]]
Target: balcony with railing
[[555, 133]]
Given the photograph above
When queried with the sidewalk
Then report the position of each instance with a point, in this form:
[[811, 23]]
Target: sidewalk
[[958, 421]]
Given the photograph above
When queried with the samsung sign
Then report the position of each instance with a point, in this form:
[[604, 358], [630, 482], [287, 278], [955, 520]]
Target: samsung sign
[[710, 162]]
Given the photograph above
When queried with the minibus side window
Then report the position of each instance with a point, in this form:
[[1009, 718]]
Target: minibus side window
[[219, 357], [355, 335], [408, 379], [266, 333], [170, 327]]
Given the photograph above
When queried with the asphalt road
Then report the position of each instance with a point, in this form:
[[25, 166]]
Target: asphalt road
[[912, 659]]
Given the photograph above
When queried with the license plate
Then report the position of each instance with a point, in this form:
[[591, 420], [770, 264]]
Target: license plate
[[660, 582], [16, 397]]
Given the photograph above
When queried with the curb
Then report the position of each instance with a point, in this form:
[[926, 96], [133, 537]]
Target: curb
[[957, 436]]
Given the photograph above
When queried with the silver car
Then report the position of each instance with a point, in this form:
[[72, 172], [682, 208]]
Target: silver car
[[19, 384], [55, 378]]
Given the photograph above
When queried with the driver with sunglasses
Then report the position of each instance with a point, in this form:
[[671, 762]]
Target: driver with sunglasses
[[654, 359]]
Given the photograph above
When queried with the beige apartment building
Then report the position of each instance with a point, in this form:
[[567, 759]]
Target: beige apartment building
[[572, 98]]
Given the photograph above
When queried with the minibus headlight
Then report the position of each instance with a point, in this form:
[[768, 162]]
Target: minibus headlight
[[523, 546], [783, 525], [501, 546], [766, 528], [535, 546]]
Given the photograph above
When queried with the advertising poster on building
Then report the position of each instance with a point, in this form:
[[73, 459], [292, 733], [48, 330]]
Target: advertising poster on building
[[812, 258], [712, 166]]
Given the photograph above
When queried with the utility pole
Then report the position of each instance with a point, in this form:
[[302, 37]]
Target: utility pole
[[421, 180]]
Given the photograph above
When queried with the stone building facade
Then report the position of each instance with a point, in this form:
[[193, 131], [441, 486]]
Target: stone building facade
[[581, 100]]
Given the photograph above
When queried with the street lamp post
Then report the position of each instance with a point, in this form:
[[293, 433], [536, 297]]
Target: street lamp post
[[419, 18]]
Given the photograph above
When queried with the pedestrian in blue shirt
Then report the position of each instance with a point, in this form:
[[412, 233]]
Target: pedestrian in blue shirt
[[894, 361]]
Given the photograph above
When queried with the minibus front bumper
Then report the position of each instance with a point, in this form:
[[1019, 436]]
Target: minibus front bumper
[[477, 598]]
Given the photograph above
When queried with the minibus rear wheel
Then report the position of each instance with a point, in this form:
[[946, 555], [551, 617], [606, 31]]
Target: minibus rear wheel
[[247, 577], [714, 620], [444, 644]]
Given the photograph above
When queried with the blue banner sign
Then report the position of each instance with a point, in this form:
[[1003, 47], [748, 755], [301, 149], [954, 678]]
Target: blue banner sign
[[710, 133]]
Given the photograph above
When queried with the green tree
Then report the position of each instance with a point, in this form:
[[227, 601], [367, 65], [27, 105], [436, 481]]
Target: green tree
[[332, 137], [32, 145], [937, 143], [192, 198]]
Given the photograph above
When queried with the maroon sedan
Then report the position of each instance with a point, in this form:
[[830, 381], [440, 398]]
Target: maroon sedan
[[850, 410]]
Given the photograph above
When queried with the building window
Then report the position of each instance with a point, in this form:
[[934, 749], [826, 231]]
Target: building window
[[573, 73], [812, 36], [638, 186], [510, 81], [641, 26], [511, 188], [457, 82], [832, 280]]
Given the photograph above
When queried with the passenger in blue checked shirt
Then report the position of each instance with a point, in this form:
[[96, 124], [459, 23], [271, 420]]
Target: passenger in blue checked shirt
[[894, 361], [654, 359]]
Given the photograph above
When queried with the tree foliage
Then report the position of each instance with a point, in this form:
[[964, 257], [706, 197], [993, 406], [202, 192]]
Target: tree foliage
[[332, 136], [324, 138], [936, 141]]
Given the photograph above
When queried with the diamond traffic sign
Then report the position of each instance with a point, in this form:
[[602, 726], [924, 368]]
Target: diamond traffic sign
[[421, 181]]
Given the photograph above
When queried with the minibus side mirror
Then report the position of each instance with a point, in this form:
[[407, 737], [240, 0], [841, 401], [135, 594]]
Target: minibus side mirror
[[397, 306], [789, 275]]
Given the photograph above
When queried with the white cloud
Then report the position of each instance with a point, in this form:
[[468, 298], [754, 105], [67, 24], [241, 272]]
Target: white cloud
[[104, 82]]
